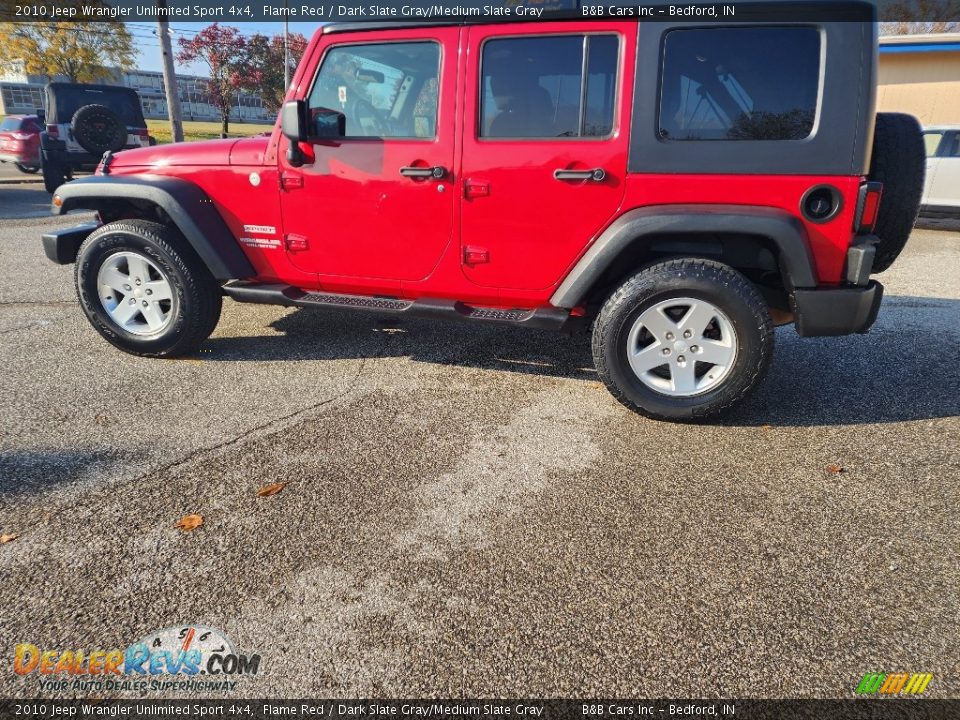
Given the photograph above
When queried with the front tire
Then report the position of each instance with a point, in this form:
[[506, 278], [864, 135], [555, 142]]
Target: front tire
[[28, 169], [683, 340], [144, 289]]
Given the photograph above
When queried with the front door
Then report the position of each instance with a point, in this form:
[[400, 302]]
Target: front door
[[544, 150], [377, 205]]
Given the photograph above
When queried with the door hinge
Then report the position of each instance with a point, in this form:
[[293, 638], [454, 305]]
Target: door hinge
[[475, 189], [296, 243], [291, 181], [473, 255]]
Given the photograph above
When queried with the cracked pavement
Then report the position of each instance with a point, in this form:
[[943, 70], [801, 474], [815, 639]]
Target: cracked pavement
[[469, 513]]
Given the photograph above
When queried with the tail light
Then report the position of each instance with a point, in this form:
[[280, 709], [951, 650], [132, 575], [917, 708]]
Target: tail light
[[53, 131], [143, 132], [868, 206]]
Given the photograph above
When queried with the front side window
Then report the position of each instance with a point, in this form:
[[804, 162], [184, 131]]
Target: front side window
[[757, 83], [535, 87], [385, 90]]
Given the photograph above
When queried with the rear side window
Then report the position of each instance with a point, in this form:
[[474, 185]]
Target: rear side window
[[536, 87], [953, 146], [758, 83]]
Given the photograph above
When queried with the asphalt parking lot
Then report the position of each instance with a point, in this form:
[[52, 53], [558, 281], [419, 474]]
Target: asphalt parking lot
[[469, 513]]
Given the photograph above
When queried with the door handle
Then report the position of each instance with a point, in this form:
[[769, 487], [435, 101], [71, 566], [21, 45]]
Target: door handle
[[437, 172], [596, 175]]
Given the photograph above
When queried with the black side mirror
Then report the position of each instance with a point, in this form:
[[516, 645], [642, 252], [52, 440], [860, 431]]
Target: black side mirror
[[294, 127], [292, 117]]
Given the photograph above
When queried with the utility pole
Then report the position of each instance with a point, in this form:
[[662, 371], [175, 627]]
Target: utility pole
[[286, 47], [169, 74]]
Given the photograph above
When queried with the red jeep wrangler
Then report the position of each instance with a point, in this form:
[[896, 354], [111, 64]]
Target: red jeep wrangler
[[683, 187]]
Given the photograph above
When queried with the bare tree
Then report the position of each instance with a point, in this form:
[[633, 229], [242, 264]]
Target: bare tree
[[919, 17]]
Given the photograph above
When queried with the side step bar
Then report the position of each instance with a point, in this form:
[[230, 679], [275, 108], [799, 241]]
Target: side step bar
[[543, 318]]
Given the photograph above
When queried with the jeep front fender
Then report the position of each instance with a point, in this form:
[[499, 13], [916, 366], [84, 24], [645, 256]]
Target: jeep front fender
[[648, 223], [187, 206]]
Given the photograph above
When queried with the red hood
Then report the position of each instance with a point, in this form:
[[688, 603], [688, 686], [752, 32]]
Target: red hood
[[246, 151]]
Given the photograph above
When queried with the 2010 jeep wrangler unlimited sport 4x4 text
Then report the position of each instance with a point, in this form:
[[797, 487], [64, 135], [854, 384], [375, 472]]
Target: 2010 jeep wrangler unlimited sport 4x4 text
[[680, 186]]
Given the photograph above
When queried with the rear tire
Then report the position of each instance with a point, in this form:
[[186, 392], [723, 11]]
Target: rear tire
[[683, 340], [53, 175], [899, 162], [28, 169], [145, 290]]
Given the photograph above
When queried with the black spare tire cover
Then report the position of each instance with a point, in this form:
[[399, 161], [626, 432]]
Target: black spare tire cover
[[900, 163], [98, 128]]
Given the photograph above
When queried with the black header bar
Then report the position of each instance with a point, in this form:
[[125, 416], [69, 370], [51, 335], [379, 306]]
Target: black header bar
[[414, 11]]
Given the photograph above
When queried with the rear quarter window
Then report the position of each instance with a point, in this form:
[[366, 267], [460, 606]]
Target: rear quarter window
[[757, 83]]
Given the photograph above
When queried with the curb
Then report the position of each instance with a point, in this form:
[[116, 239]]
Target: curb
[[18, 181]]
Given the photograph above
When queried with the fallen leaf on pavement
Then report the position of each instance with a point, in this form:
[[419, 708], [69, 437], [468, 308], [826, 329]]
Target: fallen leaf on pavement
[[189, 522], [835, 468], [7, 538], [268, 490]]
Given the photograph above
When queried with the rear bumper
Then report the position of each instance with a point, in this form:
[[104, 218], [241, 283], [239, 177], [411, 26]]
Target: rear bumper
[[61, 245], [837, 311]]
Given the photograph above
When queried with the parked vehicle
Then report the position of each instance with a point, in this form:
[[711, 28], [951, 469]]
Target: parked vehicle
[[84, 122], [941, 190], [677, 187], [20, 142]]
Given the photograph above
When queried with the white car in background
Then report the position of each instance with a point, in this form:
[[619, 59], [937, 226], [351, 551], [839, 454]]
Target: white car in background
[[941, 190]]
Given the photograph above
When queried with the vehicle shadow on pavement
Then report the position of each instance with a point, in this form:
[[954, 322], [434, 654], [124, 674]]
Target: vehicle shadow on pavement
[[309, 334], [30, 470], [905, 368]]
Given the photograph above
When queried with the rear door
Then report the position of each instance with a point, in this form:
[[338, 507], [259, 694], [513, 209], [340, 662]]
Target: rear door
[[544, 148]]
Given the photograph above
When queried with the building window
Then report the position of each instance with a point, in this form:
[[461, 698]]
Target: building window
[[757, 83]]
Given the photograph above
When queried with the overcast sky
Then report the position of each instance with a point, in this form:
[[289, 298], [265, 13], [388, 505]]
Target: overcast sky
[[145, 39]]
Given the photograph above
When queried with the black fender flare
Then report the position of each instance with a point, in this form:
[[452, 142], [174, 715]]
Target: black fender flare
[[644, 224], [185, 203]]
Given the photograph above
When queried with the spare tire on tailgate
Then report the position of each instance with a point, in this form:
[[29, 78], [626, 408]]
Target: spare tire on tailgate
[[98, 128], [899, 162]]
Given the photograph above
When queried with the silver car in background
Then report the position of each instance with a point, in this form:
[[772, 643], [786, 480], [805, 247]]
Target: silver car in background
[[941, 189]]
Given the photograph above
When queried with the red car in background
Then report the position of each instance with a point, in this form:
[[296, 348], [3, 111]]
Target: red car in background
[[20, 142]]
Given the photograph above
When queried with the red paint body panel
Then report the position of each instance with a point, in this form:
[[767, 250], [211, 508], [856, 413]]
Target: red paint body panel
[[828, 241], [370, 231]]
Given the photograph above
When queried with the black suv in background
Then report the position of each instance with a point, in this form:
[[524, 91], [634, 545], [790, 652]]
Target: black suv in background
[[84, 122]]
